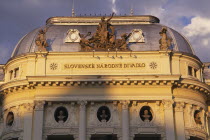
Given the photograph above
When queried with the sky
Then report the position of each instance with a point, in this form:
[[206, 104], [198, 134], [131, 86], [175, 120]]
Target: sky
[[189, 17]]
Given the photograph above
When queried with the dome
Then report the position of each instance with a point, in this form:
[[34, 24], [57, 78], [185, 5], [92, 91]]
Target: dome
[[59, 26]]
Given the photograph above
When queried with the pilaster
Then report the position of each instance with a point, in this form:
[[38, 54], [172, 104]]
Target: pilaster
[[179, 121], [82, 120], [38, 120], [28, 118], [125, 120], [169, 119]]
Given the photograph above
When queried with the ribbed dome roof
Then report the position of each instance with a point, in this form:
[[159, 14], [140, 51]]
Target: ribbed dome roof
[[58, 27]]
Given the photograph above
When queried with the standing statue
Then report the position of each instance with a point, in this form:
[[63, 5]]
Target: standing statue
[[164, 42], [41, 40], [104, 27]]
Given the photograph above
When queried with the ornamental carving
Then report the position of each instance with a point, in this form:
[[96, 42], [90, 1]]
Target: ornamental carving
[[168, 104], [72, 35], [104, 38], [39, 105], [153, 65], [41, 41], [28, 107], [82, 104], [179, 106], [53, 66], [137, 36], [125, 104], [164, 42]]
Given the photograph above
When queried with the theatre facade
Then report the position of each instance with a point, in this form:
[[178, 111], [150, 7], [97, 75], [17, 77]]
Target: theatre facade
[[104, 78]]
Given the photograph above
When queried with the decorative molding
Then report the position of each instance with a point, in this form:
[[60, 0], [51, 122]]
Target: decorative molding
[[125, 104], [29, 107], [72, 35], [39, 105], [179, 106], [197, 86], [168, 104], [137, 36]]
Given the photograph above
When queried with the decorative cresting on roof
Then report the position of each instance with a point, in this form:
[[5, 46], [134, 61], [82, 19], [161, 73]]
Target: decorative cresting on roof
[[104, 38]]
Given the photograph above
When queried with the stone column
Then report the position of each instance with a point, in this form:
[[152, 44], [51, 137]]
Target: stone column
[[38, 120], [169, 119], [125, 120], [28, 121], [179, 121], [82, 120]]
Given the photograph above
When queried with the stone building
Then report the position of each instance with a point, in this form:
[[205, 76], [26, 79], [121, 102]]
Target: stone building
[[131, 78]]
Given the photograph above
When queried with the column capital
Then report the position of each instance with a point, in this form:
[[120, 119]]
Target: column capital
[[82, 104], [39, 105], [167, 104], [125, 104], [179, 106], [29, 107]]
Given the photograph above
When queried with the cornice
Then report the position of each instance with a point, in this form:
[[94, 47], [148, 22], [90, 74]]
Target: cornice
[[172, 81]]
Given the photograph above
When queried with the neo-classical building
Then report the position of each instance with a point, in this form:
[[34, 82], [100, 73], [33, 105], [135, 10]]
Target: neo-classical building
[[90, 78]]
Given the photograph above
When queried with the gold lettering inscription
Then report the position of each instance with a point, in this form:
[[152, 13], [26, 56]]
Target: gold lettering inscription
[[104, 66]]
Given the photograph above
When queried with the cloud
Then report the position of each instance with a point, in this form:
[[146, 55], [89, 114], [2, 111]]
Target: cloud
[[199, 27], [114, 7]]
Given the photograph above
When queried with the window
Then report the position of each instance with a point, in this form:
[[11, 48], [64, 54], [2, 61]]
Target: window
[[190, 71], [10, 74], [16, 73], [195, 72]]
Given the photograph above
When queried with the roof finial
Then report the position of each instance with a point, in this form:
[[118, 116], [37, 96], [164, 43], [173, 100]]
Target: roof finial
[[73, 12], [131, 12]]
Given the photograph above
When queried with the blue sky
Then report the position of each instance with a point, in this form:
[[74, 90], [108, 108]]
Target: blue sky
[[190, 17]]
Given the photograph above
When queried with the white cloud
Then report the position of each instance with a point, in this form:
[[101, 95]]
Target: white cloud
[[199, 27]]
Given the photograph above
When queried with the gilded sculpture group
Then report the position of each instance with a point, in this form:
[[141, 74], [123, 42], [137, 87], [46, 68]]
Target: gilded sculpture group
[[103, 39]]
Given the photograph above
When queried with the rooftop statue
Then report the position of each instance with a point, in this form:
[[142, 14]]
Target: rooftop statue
[[104, 38], [164, 42], [41, 40]]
